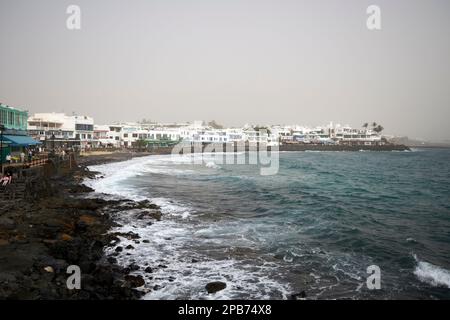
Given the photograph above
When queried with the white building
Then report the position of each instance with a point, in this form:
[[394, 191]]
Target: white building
[[80, 129], [84, 130], [348, 135], [104, 136], [328, 134], [62, 130]]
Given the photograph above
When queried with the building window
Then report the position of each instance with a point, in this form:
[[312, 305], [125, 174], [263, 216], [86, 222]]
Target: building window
[[84, 127]]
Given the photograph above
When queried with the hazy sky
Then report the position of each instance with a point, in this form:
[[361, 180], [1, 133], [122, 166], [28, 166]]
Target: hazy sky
[[235, 61]]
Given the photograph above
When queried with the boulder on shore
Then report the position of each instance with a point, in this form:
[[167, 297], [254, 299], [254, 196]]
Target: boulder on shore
[[297, 296], [215, 286], [134, 281]]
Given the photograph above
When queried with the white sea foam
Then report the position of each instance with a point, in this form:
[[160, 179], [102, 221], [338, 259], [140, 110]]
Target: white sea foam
[[116, 174], [431, 274], [212, 165], [176, 247], [181, 271]]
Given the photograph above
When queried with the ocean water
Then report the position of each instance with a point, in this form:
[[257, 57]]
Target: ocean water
[[315, 226]]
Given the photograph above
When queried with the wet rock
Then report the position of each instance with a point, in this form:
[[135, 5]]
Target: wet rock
[[49, 269], [66, 237], [119, 249], [86, 204], [298, 296], [146, 204], [49, 241], [134, 267], [150, 214], [7, 278], [112, 260], [134, 281], [128, 235], [19, 240], [7, 223], [215, 286], [80, 188], [50, 263], [129, 247], [148, 270], [87, 266], [104, 276], [81, 226], [88, 219]]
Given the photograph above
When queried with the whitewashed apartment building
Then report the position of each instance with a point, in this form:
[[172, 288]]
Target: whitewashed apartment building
[[60, 129]]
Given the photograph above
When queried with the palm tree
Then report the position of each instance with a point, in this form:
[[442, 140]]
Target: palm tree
[[141, 144], [215, 125], [258, 128], [378, 129], [374, 124], [365, 125]]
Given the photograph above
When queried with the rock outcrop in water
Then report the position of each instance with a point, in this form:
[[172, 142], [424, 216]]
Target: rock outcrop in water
[[215, 286]]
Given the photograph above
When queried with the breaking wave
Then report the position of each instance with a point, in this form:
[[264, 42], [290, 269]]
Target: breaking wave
[[174, 247], [431, 274]]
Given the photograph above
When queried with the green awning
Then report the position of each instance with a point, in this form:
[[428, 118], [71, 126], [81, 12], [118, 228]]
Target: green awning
[[20, 141]]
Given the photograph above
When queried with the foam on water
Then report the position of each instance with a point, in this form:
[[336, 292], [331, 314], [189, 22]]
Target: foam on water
[[179, 270], [431, 274], [315, 226], [115, 174], [212, 165]]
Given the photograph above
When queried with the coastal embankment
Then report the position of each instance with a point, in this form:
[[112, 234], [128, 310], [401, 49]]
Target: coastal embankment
[[95, 158], [294, 147], [317, 147]]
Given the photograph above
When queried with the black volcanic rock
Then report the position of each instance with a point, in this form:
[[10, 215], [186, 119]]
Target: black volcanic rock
[[215, 286], [134, 281], [54, 228]]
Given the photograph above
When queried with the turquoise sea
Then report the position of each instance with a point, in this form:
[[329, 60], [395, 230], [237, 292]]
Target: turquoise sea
[[315, 226]]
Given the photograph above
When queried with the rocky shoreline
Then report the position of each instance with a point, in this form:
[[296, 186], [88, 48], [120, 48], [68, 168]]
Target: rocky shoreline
[[39, 239]]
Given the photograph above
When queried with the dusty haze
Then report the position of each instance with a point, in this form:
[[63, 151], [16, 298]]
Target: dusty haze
[[278, 62]]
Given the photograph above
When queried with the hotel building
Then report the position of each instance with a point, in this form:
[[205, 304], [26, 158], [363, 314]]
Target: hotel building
[[58, 129], [13, 131]]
